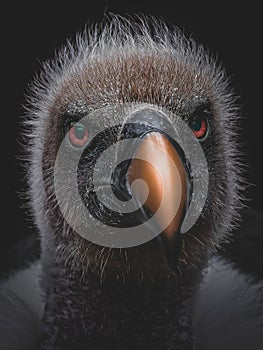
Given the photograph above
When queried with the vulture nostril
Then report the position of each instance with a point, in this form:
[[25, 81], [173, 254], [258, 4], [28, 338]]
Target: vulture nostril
[[119, 183]]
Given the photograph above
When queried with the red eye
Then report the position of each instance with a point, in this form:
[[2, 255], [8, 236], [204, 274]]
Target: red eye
[[78, 135], [199, 127]]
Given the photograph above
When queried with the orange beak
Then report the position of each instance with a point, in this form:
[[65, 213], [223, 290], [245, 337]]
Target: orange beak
[[158, 164]]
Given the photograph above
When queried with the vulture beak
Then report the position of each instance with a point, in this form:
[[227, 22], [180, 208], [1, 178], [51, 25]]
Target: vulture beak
[[157, 162]]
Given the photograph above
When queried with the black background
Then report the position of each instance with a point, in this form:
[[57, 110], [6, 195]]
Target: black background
[[33, 32]]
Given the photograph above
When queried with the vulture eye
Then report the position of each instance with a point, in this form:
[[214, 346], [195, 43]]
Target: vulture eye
[[78, 135], [199, 125]]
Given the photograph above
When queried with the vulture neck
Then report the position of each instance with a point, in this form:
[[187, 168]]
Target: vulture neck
[[81, 310]]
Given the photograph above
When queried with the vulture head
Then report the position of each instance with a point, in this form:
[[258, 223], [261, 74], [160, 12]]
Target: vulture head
[[159, 111]]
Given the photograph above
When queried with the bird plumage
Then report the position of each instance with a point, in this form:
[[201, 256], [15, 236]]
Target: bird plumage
[[124, 63], [101, 298]]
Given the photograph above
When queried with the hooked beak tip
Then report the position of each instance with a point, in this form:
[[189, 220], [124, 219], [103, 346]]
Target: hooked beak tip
[[158, 164]]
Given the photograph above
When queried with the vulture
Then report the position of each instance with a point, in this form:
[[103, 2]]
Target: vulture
[[136, 186]]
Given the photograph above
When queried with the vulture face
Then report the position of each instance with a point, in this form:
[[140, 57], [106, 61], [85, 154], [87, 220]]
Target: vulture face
[[170, 103]]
